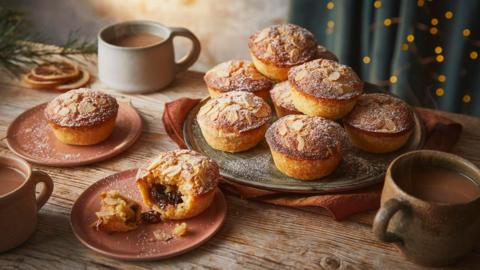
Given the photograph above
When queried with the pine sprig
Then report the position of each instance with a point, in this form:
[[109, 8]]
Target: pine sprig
[[17, 51]]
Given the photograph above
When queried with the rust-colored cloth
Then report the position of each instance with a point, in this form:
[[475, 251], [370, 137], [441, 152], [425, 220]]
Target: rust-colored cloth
[[442, 134]]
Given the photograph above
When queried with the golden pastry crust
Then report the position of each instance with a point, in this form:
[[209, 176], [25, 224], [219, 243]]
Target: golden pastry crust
[[117, 213], [326, 79], [81, 108], [381, 113], [237, 75], [305, 147], [323, 53], [282, 99], [379, 123], [324, 88], [179, 184], [284, 45], [234, 121], [82, 116]]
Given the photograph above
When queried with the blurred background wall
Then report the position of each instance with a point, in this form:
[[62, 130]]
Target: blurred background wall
[[222, 26]]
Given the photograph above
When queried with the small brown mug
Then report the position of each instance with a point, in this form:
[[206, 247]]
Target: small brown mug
[[428, 233], [19, 207]]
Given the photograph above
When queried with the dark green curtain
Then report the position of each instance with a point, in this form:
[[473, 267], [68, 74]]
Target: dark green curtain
[[426, 52]]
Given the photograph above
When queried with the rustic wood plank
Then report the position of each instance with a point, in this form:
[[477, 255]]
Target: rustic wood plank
[[255, 235]]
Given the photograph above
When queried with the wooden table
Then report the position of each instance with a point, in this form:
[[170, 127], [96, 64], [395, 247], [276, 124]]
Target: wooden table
[[255, 235]]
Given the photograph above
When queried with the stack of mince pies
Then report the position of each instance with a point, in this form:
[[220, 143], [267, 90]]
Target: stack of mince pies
[[317, 101]]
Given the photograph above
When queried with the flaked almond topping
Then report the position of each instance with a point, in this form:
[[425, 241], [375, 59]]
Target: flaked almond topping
[[294, 55], [269, 50], [334, 76], [300, 75], [297, 125], [86, 107], [262, 35], [223, 72], [389, 124], [63, 111], [282, 130], [232, 116], [248, 118], [262, 113], [301, 143], [172, 171]]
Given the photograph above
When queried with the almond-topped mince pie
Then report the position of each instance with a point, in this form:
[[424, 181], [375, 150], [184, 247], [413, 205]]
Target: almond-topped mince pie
[[179, 184], [324, 88], [275, 49], [234, 121], [117, 213], [282, 99], [237, 75], [379, 123], [82, 116], [305, 147]]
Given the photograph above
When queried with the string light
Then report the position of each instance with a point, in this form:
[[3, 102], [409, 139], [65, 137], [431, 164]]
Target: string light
[[410, 38], [330, 24], [467, 98], [473, 55], [440, 92], [438, 50], [404, 46], [466, 32], [377, 4], [441, 78], [387, 22], [366, 60], [330, 5], [439, 58], [434, 21], [393, 79], [433, 30], [420, 3], [449, 14]]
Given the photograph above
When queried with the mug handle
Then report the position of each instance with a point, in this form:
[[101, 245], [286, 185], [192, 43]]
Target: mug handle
[[41, 177], [382, 218], [192, 56]]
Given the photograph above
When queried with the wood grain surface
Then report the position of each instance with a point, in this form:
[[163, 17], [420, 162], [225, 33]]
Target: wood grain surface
[[254, 236]]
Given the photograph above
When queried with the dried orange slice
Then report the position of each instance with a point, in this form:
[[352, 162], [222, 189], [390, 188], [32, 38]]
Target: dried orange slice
[[83, 80], [55, 71], [31, 81]]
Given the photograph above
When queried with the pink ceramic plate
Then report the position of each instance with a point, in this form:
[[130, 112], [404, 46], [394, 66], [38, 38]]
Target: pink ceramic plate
[[140, 244], [30, 137]]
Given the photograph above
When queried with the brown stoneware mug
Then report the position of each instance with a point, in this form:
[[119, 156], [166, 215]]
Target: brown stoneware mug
[[19, 204], [427, 232]]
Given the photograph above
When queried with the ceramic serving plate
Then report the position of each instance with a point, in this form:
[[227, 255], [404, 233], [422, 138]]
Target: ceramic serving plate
[[30, 137], [255, 167], [140, 244]]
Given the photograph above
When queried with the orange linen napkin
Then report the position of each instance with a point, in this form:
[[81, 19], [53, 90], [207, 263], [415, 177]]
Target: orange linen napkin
[[442, 134]]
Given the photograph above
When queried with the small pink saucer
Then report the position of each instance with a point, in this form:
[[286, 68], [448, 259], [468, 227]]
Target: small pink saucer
[[30, 137], [140, 244]]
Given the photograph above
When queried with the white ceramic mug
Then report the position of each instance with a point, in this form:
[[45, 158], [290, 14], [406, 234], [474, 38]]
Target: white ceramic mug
[[145, 69]]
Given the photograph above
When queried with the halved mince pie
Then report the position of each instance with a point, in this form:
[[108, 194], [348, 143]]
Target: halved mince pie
[[179, 184]]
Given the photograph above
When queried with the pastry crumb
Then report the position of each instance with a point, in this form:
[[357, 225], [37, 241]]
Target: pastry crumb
[[180, 229], [162, 236]]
